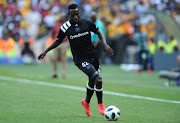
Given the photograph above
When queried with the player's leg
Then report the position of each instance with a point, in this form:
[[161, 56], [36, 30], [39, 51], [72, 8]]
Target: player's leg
[[54, 62], [98, 82], [99, 89], [63, 59], [89, 90], [99, 93], [91, 72], [89, 93]]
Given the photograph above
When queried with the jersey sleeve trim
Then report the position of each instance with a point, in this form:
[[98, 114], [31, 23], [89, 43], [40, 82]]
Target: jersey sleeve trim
[[62, 28], [65, 26]]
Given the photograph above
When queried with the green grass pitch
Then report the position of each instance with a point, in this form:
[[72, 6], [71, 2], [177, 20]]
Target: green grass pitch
[[27, 102]]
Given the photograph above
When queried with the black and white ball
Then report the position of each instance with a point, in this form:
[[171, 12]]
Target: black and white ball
[[112, 113]]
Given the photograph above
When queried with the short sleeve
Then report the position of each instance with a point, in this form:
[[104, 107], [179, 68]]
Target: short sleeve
[[61, 34], [92, 26]]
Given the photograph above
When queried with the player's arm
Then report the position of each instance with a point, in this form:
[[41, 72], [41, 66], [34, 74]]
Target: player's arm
[[97, 31], [106, 47], [52, 46], [57, 42]]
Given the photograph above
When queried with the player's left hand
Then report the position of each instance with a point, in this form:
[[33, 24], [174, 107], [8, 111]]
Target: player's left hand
[[108, 49]]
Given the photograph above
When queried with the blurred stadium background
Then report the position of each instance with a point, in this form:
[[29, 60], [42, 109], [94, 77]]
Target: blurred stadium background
[[27, 94], [32, 20]]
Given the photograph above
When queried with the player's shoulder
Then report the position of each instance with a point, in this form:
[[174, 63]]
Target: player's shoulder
[[65, 26], [87, 21]]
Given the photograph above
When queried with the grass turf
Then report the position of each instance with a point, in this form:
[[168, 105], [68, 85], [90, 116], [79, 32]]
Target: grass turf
[[21, 102]]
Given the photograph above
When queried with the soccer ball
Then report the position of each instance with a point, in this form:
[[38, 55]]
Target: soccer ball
[[112, 113]]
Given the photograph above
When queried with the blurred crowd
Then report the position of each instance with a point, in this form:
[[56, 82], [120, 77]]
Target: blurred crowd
[[23, 21]]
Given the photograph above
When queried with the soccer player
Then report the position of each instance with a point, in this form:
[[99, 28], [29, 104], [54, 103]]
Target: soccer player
[[84, 56]]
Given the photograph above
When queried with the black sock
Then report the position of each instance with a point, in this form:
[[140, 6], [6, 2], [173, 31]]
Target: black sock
[[89, 94], [99, 96]]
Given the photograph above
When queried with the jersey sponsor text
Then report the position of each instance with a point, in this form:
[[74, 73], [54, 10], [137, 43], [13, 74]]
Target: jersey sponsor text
[[79, 35]]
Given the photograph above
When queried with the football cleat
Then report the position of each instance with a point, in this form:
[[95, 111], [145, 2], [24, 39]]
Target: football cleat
[[86, 106], [101, 108]]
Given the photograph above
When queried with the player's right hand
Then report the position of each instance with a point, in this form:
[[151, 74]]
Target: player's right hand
[[41, 56], [108, 49]]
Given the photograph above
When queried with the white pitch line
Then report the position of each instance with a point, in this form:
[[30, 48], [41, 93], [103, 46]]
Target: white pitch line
[[82, 89]]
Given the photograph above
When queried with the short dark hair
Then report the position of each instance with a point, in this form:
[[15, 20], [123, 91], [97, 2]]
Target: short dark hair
[[72, 6]]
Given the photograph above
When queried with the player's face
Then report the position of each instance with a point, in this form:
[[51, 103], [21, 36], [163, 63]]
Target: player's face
[[74, 14]]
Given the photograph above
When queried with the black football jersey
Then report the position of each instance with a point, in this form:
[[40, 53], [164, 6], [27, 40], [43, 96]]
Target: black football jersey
[[79, 35]]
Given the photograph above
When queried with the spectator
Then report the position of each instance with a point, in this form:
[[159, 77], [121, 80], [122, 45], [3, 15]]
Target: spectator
[[141, 7], [143, 55], [152, 50], [172, 46], [161, 46], [27, 54], [33, 19], [1, 30], [49, 20], [97, 43], [25, 39], [60, 51], [2, 47]]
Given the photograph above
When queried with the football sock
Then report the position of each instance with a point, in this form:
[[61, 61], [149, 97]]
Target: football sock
[[99, 93], [89, 93], [99, 96]]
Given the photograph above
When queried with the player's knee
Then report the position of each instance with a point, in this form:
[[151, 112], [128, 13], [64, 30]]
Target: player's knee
[[91, 84], [94, 76], [98, 82]]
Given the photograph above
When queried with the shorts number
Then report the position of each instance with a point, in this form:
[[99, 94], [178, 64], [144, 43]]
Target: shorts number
[[84, 64]]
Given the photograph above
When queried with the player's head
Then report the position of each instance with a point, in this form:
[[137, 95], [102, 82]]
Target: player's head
[[74, 12], [93, 17]]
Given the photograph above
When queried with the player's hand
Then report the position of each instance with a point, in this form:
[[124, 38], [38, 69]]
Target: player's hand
[[41, 56], [108, 49]]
